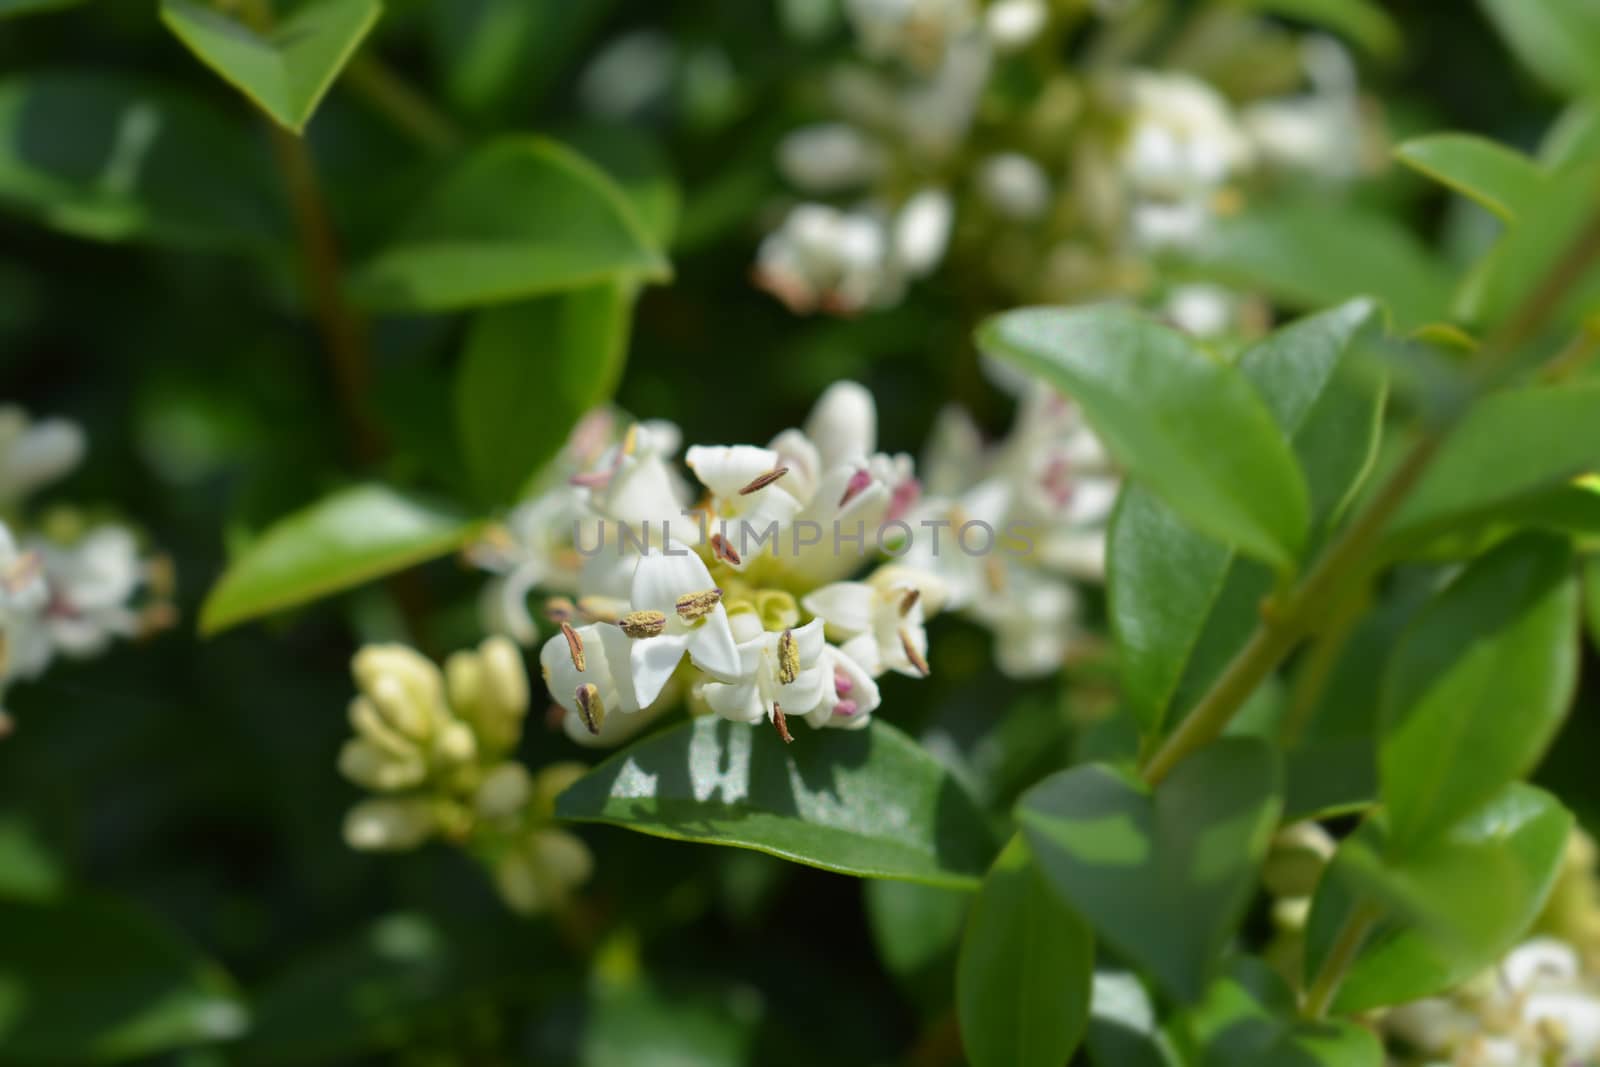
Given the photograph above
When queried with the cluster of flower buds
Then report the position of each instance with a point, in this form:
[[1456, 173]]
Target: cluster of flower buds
[[68, 587], [437, 747], [1060, 191], [742, 595]]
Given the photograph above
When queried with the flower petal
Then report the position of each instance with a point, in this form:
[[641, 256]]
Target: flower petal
[[726, 469], [844, 423], [844, 606], [740, 701], [651, 661], [711, 646], [661, 578]]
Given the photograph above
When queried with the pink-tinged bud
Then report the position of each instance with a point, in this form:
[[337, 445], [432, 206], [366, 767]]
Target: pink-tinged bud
[[845, 709], [842, 683], [905, 496], [858, 485], [592, 479], [1057, 481]]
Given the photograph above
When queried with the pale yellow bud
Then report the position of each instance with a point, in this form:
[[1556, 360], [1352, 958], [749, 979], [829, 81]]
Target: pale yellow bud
[[505, 680], [540, 873], [389, 824], [374, 768], [505, 790], [370, 725], [463, 674], [405, 685], [456, 745]]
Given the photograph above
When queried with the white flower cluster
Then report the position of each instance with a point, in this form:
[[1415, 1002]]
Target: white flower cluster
[[437, 749], [1076, 183], [67, 587]]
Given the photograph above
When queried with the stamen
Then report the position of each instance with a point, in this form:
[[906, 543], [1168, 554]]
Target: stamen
[[723, 550], [904, 497], [779, 721], [692, 606], [857, 485], [994, 573], [909, 601], [842, 683], [574, 645], [912, 654], [845, 709], [592, 711], [762, 481], [630, 440], [643, 623], [559, 609], [788, 658], [598, 608]]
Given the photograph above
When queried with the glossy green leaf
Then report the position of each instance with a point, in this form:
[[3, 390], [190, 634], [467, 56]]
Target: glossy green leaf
[[350, 537], [521, 217], [287, 70], [1187, 426], [1248, 1019], [1572, 510], [1163, 876], [1558, 40], [1574, 137], [1358, 253], [86, 978], [1479, 686], [1532, 249], [1362, 21], [528, 372], [1446, 909], [1182, 605], [1026, 970], [1556, 437], [115, 158], [1501, 179], [865, 802]]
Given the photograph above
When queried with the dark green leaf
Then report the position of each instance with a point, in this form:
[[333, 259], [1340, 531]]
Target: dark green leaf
[[500, 56], [1358, 253], [1533, 248], [1362, 21], [1188, 427], [1556, 437], [1479, 686], [28, 7], [1558, 40], [521, 217], [916, 930], [1165, 877], [864, 802], [1026, 970], [351, 537], [1501, 179], [1248, 1020], [113, 158], [1448, 908], [85, 978], [528, 373], [287, 70]]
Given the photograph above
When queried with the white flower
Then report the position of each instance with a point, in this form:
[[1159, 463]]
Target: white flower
[[1014, 186], [1318, 133], [850, 695], [1015, 24], [536, 552], [922, 231], [828, 157], [630, 75], [634, 481], [92, 583], [1181, 138], [880, 620], [33, 454], [779, 674], [827, 259], [915, 32], [1203, 311]]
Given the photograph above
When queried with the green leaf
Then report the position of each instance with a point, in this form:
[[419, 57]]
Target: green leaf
[[1248, 1020], [528, 373], [350, 537], [1362, 21], [916, 930], [1448, 908], [1591, 599], [87, 978], [1479, 686], [1475, 474], [114, 158], [1358, 253], [1187, 426], [1501, 179], [497, 58], [1182, 605], [1558, 40], [864, 802], [27, 868], [1574, 137], [287, 70], [1026, 970], [520, 217], [1163, 876], [29, 7], [1532, 249], [1123, 1029]]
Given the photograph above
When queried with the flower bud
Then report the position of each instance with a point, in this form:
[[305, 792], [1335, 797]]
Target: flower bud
[[1296, 860], [407, 689], [379, 769], [506, 790], [388, 824], [539, 873]]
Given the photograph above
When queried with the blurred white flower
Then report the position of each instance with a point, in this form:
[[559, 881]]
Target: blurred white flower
[[1014, 186], [914, 32], [1182, 138], [822, 258], [1203, 311], [35, 453], [630, 75], [829, 157], [922, 231], [1015, 24], [1320, 132]]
